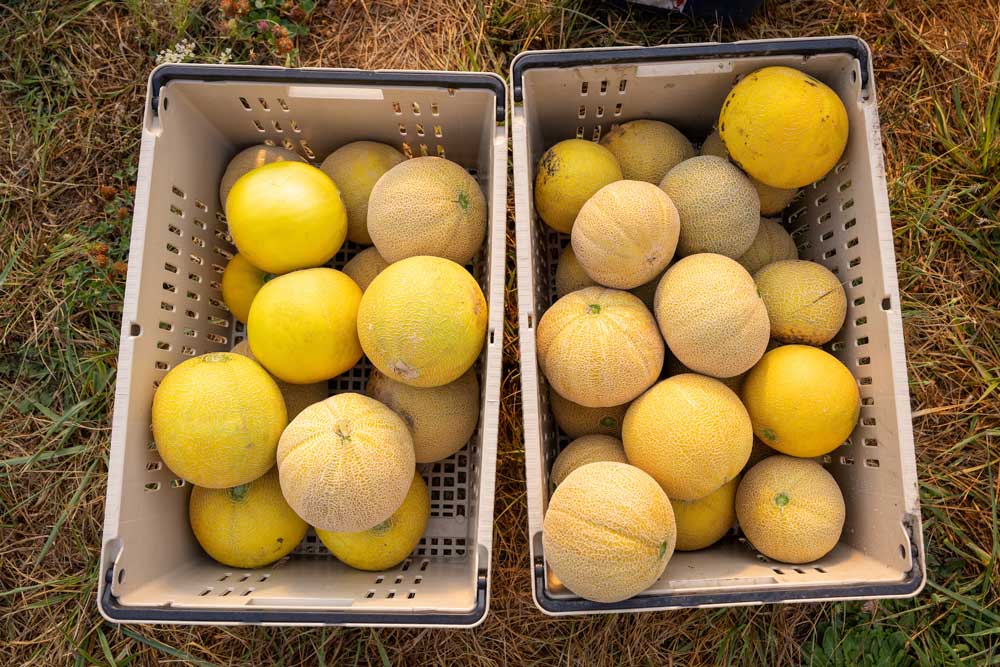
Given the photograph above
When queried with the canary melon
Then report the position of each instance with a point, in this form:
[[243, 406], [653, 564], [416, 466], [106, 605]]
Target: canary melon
[[772, 244], [703, 522], [363, 267], [772, 200], [805, 301], [586, 449], [355, 168], [241, 281], [647, 149], [570, 275], [576, 420], [568, 175], [249, 159], [297, 397]]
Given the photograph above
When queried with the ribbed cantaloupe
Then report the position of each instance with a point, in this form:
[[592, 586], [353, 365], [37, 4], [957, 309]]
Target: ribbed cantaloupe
[[790, 509], [217, 419], [772, 244], [805, 301], [599, 347], [355, 168], [441, 419], [297, 397], [772, 200], [675, 367], [690, 432], [570, 275], [427, 206], [363, 267], [626, 234], [608, 531], [241, 281], [568, 174], [719, 209], [249, 159], [703, 522], [576, 420], [586, 449], [422, 321], [346, 463], [647, 149], [711, 315]]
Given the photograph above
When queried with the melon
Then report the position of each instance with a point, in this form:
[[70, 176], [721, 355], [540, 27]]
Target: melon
[[217, 419], [570, 275], [586, 449], [568, 175], [441, 419], [626, 234], [647, 149], [791, 510], [363, 267], [249, 159], [599, 347], [576, 420], [241, 281], [675, 367], [608, 532], [346, 463], [246, 526], [690, 432], [297, 397], [427, 206], [772, 200], [355, 168], [703, 522], [772, 244], [422, 321], [711, 315], [805, 301]]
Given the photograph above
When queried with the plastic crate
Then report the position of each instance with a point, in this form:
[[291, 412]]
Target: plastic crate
[[841, 222], [197, 117]]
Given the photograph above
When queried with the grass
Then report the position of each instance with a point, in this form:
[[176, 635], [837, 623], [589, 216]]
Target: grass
[[70, 104]]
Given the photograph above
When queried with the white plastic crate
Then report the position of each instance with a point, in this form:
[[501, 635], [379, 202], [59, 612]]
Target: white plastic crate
[[197, 117], [841, 222]]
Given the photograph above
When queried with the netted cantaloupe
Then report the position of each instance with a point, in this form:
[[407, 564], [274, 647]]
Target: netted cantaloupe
[[647, 149], [718, 206], [599, 347], [772, 200], [576, 420], [703, 522], [711, 315], [626, 234], [675, 367], [772, 244], [427, 206], [608, 532], [570, 275], [690, 432], [805, 301], [355, 168], [217, 419], [586, 449], [790, 509], [422, 321], [297, 397], [241, 281], [441, 419], [249, 159], [568, 175], [363, 267], [346, 463]]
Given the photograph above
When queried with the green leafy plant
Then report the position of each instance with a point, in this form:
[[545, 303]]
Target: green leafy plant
[[273, 24]]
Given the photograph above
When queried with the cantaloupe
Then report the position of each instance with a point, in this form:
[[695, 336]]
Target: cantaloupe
[[576, 420], [570, 275], [772, 200], [297, 397], [626, 234], [422, 321], [599, 347], [647, 149], [690, 432], [249, 159], [241, 281], [246, 526], [355, 168], [718, 206], [703, 522], [346, 463], [772, 244], [427, 206], [586, 449], [363, 267], [608, 532], [805, 301], [790, 509], [217, 419], [441, 419], [711, 316], [675, 367], [568, 174]]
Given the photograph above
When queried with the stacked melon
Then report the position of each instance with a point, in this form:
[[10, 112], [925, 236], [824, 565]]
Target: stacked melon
[[684, 342], [269, 451]]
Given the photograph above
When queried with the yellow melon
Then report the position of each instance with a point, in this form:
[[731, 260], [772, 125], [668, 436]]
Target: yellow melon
[[390, 542], [608, 531], [784, 127], [570, 275], [675, 367], [772, 244], [427, 206], [246, 526], [568, 175], [703, 522], [217, 419], [802, 401], [363, 267], [249, 159], [711, 315], [241, 281], [422, 321], [297, 397], [346, 463], [790, 509], [599, 347], [303, 325], [772, 200], [647, 149], [586, 449], [576, 420], [355, 168], [441, 419], [690, 432], [286, 216], [805, 301], [626, 234]]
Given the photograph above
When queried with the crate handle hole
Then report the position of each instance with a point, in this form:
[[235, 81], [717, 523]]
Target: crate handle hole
[[886, 304], [121, 576], [134, 329], [902, 552]]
